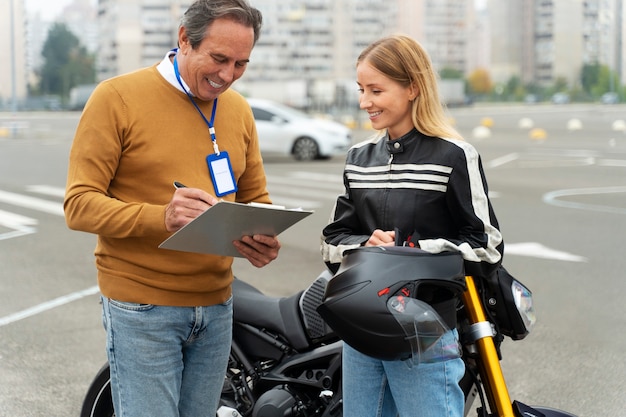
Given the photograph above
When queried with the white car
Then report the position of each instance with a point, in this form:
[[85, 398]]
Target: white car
[[560, 98], [610, 98], [285, 130]]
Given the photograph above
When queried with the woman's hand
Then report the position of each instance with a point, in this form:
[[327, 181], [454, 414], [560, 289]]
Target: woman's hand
[[382, 238]]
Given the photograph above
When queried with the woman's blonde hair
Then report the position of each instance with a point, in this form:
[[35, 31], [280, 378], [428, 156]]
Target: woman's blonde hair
[[405, 61]]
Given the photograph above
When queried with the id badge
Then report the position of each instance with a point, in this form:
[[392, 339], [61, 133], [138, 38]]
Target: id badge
[[221, 173]]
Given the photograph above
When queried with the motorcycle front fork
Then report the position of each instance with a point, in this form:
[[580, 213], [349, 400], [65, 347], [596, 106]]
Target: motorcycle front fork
[[489, 364]]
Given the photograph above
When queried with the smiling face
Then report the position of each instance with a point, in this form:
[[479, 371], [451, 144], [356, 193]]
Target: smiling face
[[387, 102], [218, 61]]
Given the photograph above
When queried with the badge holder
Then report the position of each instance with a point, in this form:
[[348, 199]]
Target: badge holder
[[221, 173]]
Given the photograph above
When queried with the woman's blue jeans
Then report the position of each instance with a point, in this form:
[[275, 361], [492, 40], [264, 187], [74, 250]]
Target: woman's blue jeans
[[375, 388], [167, 361]]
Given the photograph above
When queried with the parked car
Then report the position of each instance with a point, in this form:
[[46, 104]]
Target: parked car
[[560, 98], [289, 131], [79, 96], [531, 99], [610, 98]]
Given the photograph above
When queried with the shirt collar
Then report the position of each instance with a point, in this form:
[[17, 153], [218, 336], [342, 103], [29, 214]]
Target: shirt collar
[[166, 69]]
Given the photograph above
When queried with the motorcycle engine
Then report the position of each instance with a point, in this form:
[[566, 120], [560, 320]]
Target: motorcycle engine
[[277, 402]]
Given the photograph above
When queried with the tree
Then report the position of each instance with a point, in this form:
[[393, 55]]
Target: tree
[[589, 76], [597, 79], [560, 84], [66, 62], [514, 89], [450, 73], [480, 82]]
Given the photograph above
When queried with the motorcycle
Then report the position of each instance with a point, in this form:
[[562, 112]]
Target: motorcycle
[[285, 359]]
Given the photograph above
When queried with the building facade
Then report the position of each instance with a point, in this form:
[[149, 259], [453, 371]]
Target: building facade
[[135, 33], [308, 48], [13, 80], [543, 41]]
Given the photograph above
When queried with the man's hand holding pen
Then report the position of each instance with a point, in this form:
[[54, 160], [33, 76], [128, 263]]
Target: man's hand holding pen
[[186, 205], [189, 203]]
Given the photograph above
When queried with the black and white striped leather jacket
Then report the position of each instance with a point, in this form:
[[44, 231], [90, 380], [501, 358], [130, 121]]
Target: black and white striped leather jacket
[[429, 188]]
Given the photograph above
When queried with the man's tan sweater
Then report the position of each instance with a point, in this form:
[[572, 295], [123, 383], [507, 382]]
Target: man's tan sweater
[[137, 135]]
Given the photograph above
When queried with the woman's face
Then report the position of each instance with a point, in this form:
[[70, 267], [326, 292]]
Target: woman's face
[[387, 102]]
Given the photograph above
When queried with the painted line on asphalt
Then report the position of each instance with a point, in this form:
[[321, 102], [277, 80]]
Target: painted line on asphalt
[[48, 305], [19, 225], [612, 163], [47, 190], [25, 201], [553, 199], [494, 163], [537, 250]]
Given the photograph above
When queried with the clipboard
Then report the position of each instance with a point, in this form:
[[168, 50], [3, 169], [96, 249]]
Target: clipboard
[[213, 231]]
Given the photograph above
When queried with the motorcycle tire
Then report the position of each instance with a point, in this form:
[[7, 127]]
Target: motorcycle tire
[[98, 402]]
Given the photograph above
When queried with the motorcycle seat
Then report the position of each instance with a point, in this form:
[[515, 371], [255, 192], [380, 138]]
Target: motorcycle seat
[[277, 314]]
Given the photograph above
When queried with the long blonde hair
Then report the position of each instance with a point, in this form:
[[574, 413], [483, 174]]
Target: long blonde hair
[[405, 61]]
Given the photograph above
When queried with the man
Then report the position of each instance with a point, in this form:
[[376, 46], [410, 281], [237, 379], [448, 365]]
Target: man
[[168, 314]]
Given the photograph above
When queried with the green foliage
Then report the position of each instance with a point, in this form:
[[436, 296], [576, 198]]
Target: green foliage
[[66, 62], [589, 75], [450, 73], [560, 85], [595, 80]]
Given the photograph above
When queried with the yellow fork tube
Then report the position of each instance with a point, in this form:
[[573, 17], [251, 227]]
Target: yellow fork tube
[[490, 370]]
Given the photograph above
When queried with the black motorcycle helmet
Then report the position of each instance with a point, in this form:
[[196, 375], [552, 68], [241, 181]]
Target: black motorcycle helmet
[[356, 300]]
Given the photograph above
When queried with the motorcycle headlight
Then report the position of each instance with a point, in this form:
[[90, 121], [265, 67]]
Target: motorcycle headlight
[[524, 303], [510, 304]]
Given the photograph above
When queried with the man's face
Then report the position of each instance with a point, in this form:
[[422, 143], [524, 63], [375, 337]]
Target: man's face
[[218, 61]]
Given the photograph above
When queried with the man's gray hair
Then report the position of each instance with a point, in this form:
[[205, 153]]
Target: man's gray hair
[[202, 13]]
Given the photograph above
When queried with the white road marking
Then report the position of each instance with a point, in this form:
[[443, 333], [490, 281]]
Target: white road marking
[[611, 163], [537, 250], [48, 305], [19, 225], [502, 160], [46, 206], [47, 190], [553, 198]]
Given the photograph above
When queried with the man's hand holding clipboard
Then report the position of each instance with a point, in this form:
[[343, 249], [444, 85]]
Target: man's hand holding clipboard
[[226, 228]]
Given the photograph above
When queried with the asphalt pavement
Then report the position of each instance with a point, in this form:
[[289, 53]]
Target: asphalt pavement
[[557, 181]]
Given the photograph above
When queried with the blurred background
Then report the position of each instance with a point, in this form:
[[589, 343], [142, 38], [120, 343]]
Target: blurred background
[[536, 85], [484, 50]]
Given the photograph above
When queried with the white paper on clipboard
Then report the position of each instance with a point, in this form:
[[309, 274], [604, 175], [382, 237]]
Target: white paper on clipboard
[[214, 230]]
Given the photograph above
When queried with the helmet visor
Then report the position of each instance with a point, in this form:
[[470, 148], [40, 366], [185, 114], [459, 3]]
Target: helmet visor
[[423, 328]]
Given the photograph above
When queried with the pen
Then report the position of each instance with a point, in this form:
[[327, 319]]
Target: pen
[[179, 185]]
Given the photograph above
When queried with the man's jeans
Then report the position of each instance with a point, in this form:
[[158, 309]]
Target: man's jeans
[[375, 388], [167, 361]]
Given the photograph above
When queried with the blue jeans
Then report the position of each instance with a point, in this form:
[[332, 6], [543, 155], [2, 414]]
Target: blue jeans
[[375, 388], [167, 361]]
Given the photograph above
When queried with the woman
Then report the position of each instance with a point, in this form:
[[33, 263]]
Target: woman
[[416, 181]]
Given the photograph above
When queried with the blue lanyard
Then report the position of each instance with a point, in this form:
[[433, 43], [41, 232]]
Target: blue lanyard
[[209, 123]]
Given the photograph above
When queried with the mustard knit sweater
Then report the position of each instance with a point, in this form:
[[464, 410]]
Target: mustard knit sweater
[[137, 135]]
